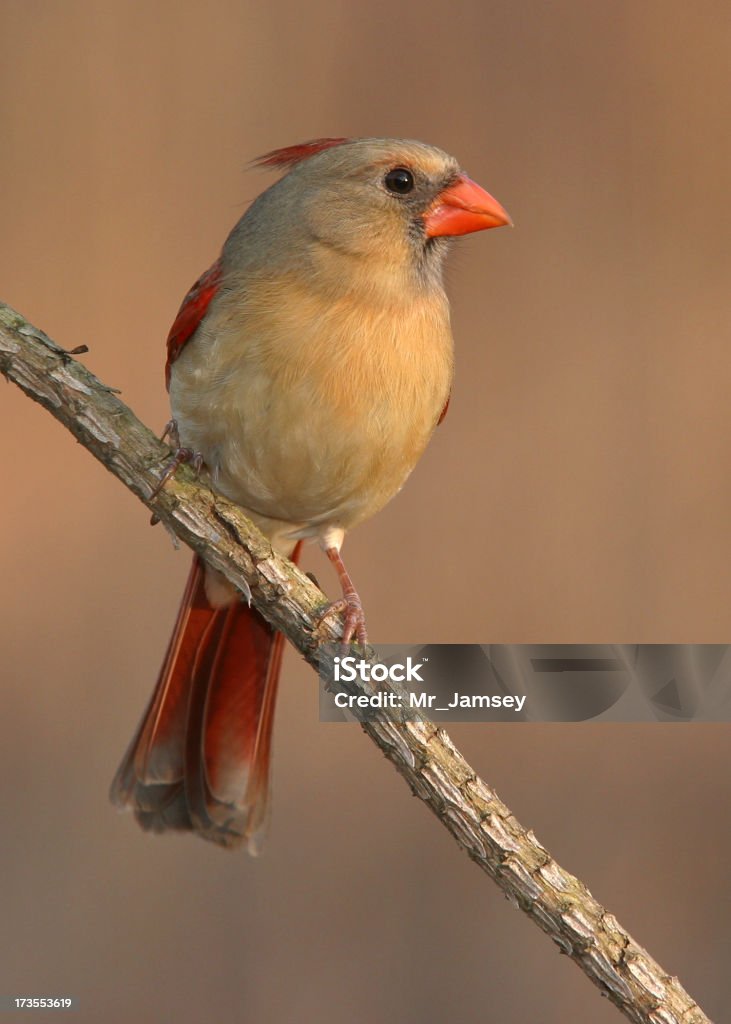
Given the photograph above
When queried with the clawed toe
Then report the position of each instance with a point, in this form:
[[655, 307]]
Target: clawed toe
[[352, 611]]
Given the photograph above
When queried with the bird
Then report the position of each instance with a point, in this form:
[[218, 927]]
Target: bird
[[307, 369]]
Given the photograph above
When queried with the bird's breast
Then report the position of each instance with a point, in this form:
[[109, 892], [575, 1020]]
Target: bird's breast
[[308, 411]]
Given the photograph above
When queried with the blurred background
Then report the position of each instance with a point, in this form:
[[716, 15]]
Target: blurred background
[[578, 491]]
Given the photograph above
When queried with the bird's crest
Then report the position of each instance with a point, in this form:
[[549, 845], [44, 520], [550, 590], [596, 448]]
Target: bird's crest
[[291, 155]]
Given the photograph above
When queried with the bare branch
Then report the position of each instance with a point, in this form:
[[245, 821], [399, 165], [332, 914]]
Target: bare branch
[[435, 770]]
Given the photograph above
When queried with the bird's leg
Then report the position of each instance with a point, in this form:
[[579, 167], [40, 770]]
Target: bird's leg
[[171, 431], [349, 603], [181, 455]]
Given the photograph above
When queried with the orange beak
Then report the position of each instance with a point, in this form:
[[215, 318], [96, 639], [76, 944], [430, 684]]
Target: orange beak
[[464, 207]]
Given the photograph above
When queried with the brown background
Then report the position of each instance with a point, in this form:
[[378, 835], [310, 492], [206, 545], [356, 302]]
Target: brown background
[[578, 491]]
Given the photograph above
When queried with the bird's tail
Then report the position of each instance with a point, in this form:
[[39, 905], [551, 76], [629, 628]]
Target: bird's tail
[[200, 758]]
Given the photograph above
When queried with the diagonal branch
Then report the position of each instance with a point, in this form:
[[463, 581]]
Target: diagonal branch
[[435, 770]]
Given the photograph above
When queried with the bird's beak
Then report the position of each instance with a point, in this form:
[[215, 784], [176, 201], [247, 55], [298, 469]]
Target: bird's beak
[[464, 207]]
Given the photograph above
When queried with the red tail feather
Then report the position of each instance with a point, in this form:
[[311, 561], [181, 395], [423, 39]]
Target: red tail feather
[[201, 756]]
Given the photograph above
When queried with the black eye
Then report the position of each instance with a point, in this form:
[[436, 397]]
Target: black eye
[[399, 180]]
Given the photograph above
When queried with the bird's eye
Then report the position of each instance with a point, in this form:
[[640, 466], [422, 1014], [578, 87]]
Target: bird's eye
[[399, 180]]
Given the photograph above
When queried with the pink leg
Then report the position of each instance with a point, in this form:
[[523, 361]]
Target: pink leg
[[349, 603]]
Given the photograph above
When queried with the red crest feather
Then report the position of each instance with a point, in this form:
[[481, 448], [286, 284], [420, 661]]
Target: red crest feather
[[291, 155]]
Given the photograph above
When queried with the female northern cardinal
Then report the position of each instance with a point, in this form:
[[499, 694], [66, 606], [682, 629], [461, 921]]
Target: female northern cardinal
[[307, 369]]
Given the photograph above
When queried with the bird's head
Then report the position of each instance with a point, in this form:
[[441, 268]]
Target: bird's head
[[391, 202]]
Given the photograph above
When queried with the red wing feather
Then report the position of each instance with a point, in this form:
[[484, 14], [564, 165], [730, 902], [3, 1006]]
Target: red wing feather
[[191, 313], [444, 410]]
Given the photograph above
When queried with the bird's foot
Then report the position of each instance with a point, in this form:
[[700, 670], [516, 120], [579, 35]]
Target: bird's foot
[[354, 616], [349, 604], [181, 455]]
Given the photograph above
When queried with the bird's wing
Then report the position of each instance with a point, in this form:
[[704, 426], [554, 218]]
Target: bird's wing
[[191, 313]]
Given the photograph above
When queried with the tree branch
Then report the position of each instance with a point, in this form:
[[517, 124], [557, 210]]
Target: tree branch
[[435, 770]]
